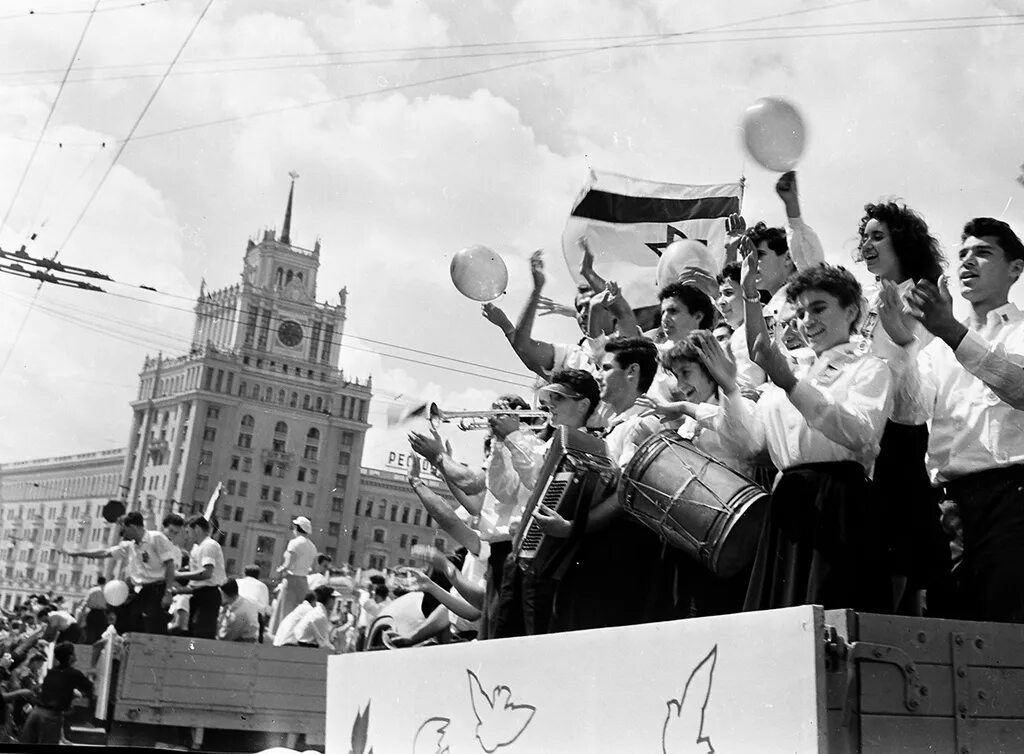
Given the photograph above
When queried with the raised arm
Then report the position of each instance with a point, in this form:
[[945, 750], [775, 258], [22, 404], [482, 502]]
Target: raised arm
[[754, 324], [536, 355], [469, 480], [446, 518], [595, 281], [804, 245]]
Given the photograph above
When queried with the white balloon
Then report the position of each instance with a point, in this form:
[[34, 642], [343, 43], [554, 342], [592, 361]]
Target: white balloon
[[774, 133], [479, 273], [689, 261], [115, 592]]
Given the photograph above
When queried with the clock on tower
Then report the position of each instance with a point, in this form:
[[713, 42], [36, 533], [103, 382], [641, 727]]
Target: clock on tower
[[289, 333]]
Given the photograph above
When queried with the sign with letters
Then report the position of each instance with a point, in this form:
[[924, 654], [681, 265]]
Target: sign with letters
[[735, 683]]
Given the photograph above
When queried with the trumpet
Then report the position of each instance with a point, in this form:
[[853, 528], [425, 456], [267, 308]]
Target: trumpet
[[469, 421]]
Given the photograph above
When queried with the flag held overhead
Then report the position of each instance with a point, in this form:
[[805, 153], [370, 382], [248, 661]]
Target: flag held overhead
[[629, 223]]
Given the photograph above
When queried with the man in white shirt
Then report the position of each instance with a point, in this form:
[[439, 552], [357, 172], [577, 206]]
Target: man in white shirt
[[239, 616], [369, 609], [285, 633], [206, 573], [314, 627], [321, 573], [969, 382], [151, 568], [250, 587]]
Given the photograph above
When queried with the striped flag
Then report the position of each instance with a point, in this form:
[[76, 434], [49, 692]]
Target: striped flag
[[628, 222], [210, 514]]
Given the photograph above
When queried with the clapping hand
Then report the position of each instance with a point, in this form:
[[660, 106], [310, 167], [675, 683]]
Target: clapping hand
[[721, 368], [932, 306], [654, 405], [891, 313], [748, 270], [431, 448]]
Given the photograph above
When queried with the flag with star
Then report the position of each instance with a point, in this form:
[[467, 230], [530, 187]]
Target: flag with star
[[628, 223]]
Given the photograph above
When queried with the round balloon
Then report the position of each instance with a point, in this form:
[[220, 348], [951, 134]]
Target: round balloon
[[479, 273], [115, 592], [689, 261], [774, 133]]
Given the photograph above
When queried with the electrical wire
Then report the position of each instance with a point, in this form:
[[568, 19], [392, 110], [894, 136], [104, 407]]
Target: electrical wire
[[145, 109], [526, 46], [32, 12], [174, 341], [49, 116], [479, 71]]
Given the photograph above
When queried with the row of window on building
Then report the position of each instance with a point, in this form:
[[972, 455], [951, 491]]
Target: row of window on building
[[51, 489]]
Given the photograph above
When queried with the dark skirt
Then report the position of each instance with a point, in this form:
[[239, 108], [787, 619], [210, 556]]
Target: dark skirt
[[916, 546], [821, 543], [622, 575], [991, 574]]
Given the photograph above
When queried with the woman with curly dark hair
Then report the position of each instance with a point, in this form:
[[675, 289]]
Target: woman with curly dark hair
[[899, 250]]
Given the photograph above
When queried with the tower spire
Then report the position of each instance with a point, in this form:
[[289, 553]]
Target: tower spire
[[286, 231]]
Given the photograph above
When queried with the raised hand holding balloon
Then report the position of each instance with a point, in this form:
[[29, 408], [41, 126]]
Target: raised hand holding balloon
[[774, 133], [479, 273]]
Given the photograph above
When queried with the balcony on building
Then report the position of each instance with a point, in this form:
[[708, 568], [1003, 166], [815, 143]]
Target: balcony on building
[[281, 457]]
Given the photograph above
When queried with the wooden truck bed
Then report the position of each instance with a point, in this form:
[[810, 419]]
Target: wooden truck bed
[[201, 684]]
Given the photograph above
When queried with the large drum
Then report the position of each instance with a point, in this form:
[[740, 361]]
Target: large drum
[[695, 502]]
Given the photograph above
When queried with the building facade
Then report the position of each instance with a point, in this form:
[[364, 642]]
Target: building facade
[[389, 520], [47, 505], [258, 409], [257, 413]]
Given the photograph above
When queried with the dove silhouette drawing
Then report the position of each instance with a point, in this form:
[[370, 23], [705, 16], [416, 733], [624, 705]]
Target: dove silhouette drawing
[[360, 732], [430, 736], [499, 721], [684, 724]]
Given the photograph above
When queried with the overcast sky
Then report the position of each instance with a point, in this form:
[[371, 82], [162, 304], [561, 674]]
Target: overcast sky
[[406, 159]]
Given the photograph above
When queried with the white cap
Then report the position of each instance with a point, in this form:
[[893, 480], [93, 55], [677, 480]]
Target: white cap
[[304, 524]]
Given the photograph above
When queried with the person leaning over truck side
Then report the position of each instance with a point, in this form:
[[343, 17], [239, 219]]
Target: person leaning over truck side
[[151, 568], [239, 616], [298, 562], [250, 587], [46, 721], [206, 572]]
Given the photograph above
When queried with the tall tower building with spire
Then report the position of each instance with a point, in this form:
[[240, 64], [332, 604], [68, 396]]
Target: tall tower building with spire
[[258, 408]]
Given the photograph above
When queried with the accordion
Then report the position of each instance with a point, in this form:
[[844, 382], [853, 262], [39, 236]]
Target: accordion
[[577, 473]]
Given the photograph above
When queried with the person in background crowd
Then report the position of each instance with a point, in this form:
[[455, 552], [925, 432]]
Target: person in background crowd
[[369, 610], [250, 587], [206, 574], [730, 304], [969, 381], [299, 557], [321, 573], [313, 629], [45, 723], [285, 633], [94, 609], [239, 616]]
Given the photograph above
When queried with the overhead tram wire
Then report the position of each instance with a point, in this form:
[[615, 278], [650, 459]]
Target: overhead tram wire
[[31, 13], [49, 117], [524, 46], [173, 340], [24, 175], [476, 72], [145, 109]]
